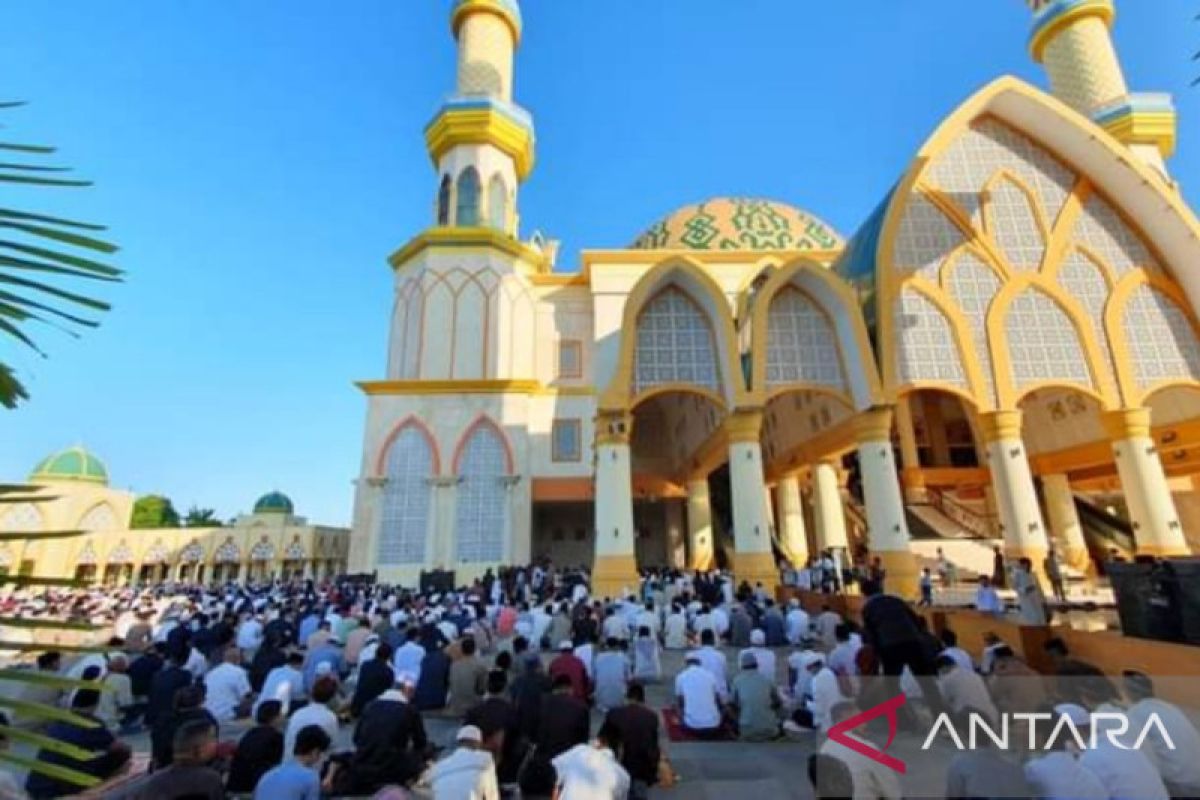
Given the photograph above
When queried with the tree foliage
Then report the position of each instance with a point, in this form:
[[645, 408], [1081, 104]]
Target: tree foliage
[[201, 518], [154, 511]]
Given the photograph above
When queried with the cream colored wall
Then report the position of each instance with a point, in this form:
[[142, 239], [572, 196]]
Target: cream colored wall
[[564, 313]]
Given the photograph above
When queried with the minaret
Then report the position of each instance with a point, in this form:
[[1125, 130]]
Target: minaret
[[480, 141], [1072, 38]]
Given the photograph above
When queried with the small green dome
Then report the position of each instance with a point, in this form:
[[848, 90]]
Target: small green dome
[[72, 464], [274, 503]]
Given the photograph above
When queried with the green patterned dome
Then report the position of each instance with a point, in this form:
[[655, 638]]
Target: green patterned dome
[[274, 503], [739, 223], [72, 464]]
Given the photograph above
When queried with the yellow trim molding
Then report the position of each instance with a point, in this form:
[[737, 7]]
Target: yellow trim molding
[[459, 126], [1157, 128], [466, 8], [483, 238], [1046, 31], [526, 387]]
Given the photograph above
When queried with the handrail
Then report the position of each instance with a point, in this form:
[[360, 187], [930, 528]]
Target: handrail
[[979, 524]]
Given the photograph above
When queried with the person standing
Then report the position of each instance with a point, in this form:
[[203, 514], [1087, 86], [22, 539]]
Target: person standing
[[1032, 602], [893, 630], [999, 575], [1052, 564]]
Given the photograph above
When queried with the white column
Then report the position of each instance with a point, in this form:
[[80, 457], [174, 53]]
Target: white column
[[699, 520], [615, 567], [1156, 528], [1064, 521], [887, 528], [828, 513], [753, 560], [1012, 479], [791, 520], [676, 548]]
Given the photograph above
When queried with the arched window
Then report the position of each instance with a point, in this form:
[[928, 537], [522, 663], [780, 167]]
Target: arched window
[[481, 516], [674, 344], [468, 198], [443, 203], [498, 204], [406, 499]]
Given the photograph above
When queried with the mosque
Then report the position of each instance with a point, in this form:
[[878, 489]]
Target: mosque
[[1004, 351], [70, 491]]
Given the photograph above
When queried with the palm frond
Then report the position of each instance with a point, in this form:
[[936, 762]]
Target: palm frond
[[26, 581], [29, 647], [49, 624], [55, 771], [9, 213], [39, 678], [47, 743], [43, 711], [19, 536]]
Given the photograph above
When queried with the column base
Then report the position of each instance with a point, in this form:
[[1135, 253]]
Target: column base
[[912, 481], [1162, 550], [756, 568], [612, 576], [902, 576]]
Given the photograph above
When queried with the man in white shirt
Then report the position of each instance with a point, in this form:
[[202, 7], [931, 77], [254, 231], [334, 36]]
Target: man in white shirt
[[249, 637], [797, 622], [592, 772], [871, 780], [961, 657], [227, 688], [720, 618], [116, 702], [826, 693], [675, 630], [1059, 775], [542, 617], [843, 658], [469, 772], [698, 696], [963, 689], [615, 626], [764, 658], [408, 656], [1126, 774], [648, 617], [714, 661], [704, 621], [316, 712], [285, 683], [987, 601], [826, 625], [1178, 766]]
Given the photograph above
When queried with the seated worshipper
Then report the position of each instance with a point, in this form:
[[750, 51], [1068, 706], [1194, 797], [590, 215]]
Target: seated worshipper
[[111, 755], [592, 771], [469, 773], [227, 688], [259, 749], [298, 777], [496, 717], [987, 601], [48, 664], [190, 776], [564, 723], [389, 740], [797, 622], [825, 626], [160, 703], [1014, 685], [764, 658], [612, 676], [647, 661], [285, 684], [189, 706], [409, 655], [329, 654], [755, 700], [374, 678], [1075, 678], [699, 699], [318, 638], [468, 679], [950, 648], [675, 629], [870, 778], [830, 778], [740, 626], [714, 661], [774, 625], [433, 682], [641, 750], [1177, 764], [1124, 771], [567, 664], [984, 771], [1055, 771], [117, 707], [528, 691], [615, 626], [317, 712], [356, 640], [964, 688], [823, 694]]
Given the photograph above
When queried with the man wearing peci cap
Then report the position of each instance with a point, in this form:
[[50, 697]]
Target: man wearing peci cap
[[568, 664], [756, 702], [763, 657], [469, 773], [699, 699]]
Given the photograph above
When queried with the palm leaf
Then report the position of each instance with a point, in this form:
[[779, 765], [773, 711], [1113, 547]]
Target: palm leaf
[[55, 771], [39, 678], [45, 288], [33, 167], [47, 743], [111, 274], [26, 647], [64, 258], [43, 711], [19, 536], [70, 223], [75, 239], [50, 624], [25, 581], [10, 178], [27, 148], [11, 390], [12, 301]]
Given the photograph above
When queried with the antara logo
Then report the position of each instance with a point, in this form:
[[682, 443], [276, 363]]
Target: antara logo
[[838, 733]]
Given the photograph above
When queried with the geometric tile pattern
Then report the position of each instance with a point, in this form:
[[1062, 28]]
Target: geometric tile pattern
[[406, 500], [973, 286], [926, 348], [739, 223], [121, 554], [21, 517], [192, 553], [262, 551], [989, 146], [925, 237], [228, 553], [1162, 344], [1103, 231], [1014, 227], [801, 344], [1042, 342], [1084, 282], [157, 554], [480, 504], [674, 344]]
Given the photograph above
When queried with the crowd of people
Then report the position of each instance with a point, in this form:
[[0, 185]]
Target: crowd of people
[[299, 690]]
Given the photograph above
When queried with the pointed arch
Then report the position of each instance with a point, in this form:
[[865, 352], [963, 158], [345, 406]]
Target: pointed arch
[[444, 198], [484, 421], [698, 286], [1154, 336], [497, 203], [100, 517], [482, 461], [1014, 222], [467, 210], [837, 302], [415, 422]]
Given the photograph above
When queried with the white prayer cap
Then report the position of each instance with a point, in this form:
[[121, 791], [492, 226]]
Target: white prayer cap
[[758, 638], [565, 645], [469, 733]]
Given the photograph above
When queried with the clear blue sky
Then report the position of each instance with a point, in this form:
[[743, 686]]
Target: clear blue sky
[[259, 159]]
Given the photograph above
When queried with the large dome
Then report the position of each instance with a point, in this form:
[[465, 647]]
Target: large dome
[[72, 464], [739, 223], [274, 503]]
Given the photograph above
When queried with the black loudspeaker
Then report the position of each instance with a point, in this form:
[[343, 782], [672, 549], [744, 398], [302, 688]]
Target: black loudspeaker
[[440, 581], [1158, 600]]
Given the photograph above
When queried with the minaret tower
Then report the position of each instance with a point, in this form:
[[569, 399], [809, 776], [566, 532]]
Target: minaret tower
[[481, 142], [1072, 39]]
